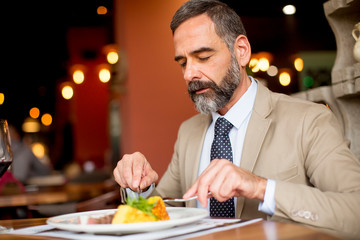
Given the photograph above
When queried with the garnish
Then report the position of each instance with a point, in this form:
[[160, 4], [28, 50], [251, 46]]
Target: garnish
[[142, 204]]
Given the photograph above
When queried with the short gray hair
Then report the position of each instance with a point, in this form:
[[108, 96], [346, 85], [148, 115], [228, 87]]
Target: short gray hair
[[228, 25]]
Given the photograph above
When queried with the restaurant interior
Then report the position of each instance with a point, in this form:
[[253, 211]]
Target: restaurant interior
[[88, 81]]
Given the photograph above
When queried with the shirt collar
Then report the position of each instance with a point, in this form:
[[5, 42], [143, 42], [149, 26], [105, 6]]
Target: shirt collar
[[242, 108]]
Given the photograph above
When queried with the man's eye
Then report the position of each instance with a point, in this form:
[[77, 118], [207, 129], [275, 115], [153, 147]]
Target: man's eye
[[182, 64], [204, 58]]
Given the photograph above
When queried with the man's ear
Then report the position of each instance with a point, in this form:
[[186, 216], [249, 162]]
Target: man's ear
[[242, 50]]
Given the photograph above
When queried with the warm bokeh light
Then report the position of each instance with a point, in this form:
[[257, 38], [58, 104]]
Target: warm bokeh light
[[67, 92], [255, 69], [34, 112], [104, 75], [299, 64], [78, 76], [46, 119], [112, 57], [30, 126], [263, 64], [289, 10], [2, 98], [38, 149], [272, 71], [101, 10], [253, 62], [284, 79]]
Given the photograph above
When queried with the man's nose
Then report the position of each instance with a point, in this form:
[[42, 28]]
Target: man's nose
[[191, 72]]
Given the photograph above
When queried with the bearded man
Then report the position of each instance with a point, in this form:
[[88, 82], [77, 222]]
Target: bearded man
[[259, 153]]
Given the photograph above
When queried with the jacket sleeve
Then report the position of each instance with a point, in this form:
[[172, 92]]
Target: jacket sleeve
[[332, 199], [170, 183]]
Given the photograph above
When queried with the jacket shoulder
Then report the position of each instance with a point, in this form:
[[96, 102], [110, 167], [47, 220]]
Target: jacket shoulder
[[196, 121]]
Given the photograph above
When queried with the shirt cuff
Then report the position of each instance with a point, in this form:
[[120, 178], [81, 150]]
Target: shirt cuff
[[268, 206], [144, 194]]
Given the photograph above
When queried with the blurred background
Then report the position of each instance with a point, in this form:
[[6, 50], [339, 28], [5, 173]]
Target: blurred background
[[86, 81]]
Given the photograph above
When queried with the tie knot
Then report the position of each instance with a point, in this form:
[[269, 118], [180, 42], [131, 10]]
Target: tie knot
[[222, 126]]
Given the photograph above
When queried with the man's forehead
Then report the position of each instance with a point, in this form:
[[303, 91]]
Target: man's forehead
[[195, 33], [198, 23]]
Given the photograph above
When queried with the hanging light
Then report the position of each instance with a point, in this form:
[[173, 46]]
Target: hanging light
[[78, 73], [30, 125], [38, 149], [112, 57], [289, 9], [272, 71], [263, 64], [34, 112], [2, 98], [67, 92], [299, 64], [78, 76], [284, 79], [101, 10], [104, 74], [46, 119]]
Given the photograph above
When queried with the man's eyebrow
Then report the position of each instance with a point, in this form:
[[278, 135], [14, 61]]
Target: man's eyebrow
[[200, 50], [203, 49], [177, 58]]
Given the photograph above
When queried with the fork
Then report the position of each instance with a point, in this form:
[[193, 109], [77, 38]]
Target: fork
[[181, 199]]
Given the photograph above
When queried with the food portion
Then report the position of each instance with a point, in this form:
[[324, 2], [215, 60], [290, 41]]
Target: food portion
[[141, 210], [136, 210], [159, 209]]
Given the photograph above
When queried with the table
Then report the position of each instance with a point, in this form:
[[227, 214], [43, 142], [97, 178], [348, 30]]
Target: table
[[71, 196], [259, 230], [57, 194]]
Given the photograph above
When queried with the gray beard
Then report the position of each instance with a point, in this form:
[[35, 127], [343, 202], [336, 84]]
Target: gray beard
[[217, 96]]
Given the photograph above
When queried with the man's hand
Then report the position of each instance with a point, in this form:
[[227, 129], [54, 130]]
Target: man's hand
[[135, 172], [225, 180]]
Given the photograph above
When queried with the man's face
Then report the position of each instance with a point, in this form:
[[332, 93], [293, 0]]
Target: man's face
[[211, 73]]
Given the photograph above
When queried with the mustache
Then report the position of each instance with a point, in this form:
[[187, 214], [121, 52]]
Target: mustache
[[196, 85]]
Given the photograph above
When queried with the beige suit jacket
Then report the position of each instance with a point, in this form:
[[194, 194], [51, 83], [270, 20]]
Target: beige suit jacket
[[297, 143]]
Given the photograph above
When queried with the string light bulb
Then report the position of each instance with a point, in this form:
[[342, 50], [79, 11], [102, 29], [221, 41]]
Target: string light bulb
[[289, 9], [284, 79], [46, 119], [112, 57], [2, 98], [104, 75], [78, 76], [34, 112], [67, 92]]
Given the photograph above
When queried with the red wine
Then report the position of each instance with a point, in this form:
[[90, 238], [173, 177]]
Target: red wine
[[3, 167]]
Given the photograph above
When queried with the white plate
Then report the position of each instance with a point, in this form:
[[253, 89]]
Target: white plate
[[178, 216]]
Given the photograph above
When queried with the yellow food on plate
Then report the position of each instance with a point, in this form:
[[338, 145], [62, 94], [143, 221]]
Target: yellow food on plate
[[141, 210], [127, 214], [159, 210]]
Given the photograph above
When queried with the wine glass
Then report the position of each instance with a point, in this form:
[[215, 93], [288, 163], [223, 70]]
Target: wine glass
[[6, 155]]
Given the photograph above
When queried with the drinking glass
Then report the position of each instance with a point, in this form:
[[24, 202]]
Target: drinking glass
[[6, 155]]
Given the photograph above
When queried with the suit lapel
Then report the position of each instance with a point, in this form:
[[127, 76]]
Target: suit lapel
[[258, 126], [255, 136], [194, 152], [195, 147]]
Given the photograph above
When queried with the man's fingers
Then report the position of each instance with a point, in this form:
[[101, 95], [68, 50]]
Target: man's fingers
[[150, 177], [222, 185], [119, 177], [137, 169], [191, 191], [126, 171], [215, 179], [131, 169]]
